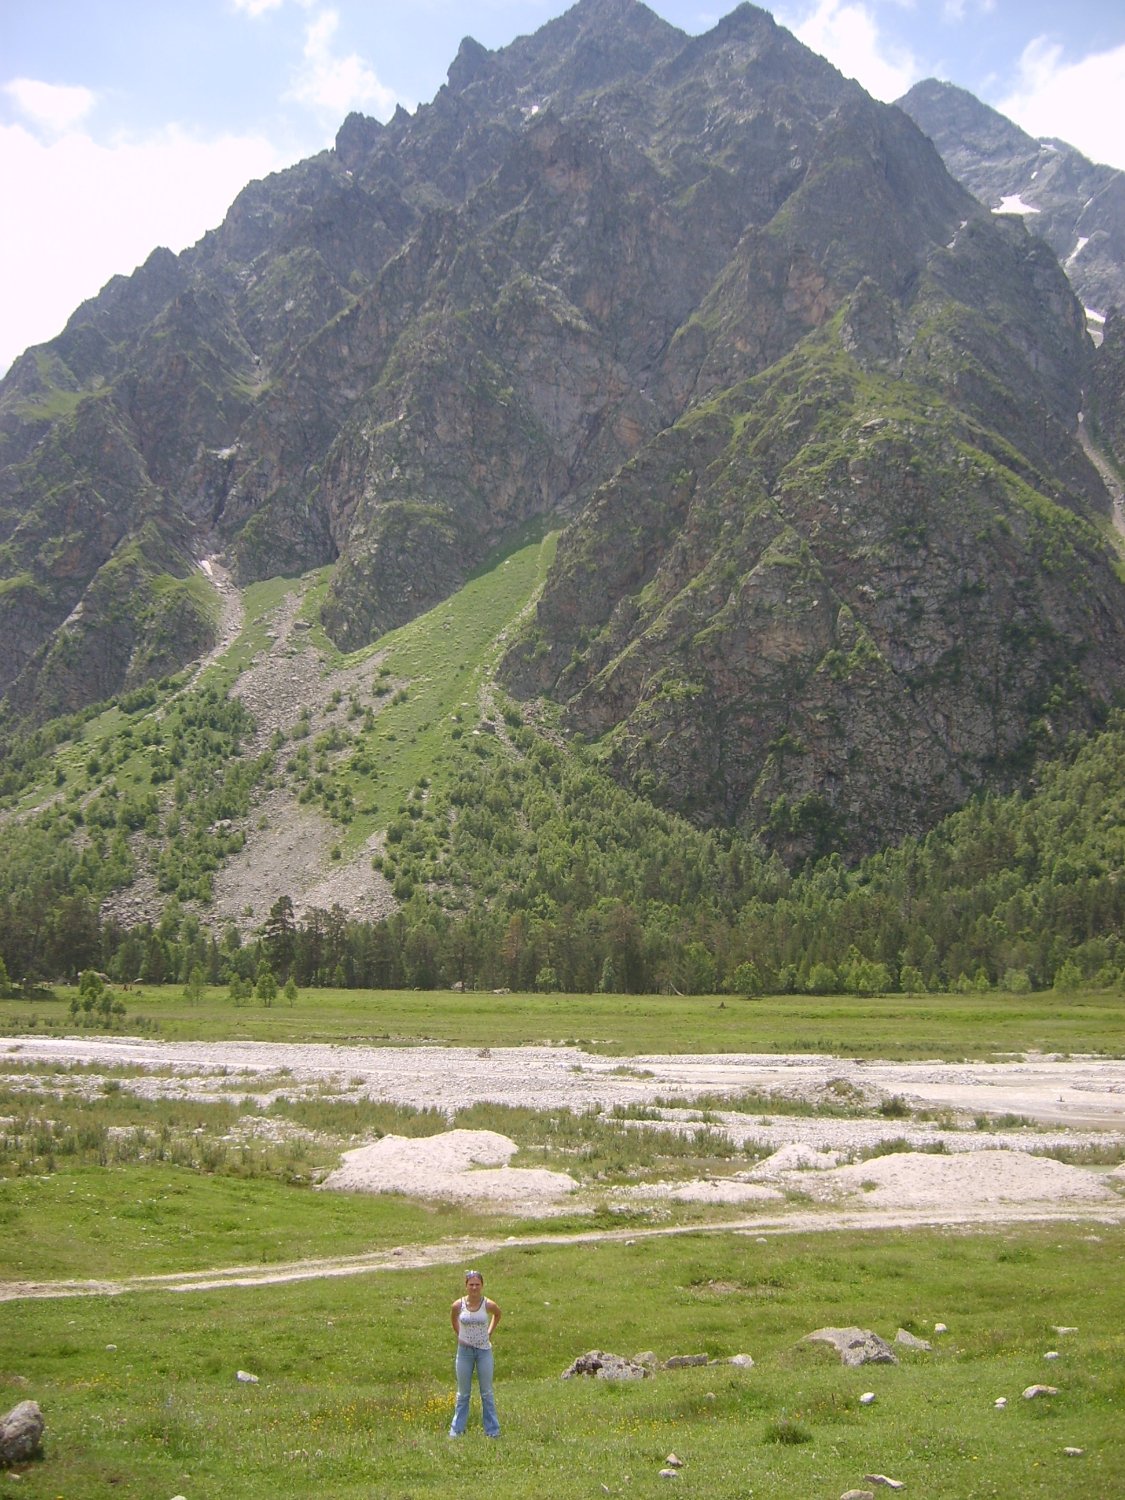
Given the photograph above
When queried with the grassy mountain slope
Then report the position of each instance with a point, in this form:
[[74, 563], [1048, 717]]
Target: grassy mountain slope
[[393, 818]]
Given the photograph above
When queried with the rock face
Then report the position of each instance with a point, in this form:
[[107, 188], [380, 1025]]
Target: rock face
[[834, 558]]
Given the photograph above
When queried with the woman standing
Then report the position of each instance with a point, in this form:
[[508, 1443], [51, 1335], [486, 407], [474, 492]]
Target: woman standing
[[474, 1320]]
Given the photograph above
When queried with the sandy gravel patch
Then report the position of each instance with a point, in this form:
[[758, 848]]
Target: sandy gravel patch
[[794, 1158], [458, 1166], [717, 1190], [917, 1180], [1071, 1093], [1075, 1092]]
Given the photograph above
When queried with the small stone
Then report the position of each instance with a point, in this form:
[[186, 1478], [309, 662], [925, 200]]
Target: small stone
[[669, 1474], [246, 1378], [1039, 1390], [940, 1328], [867, 1399], [673, 1462], [1051, 1354], [1000, 1403], [111, 1348], [1065, 1330], [892, 1484], [1074, 1452], [685, 1361], [742, 1361], [858, 1495]]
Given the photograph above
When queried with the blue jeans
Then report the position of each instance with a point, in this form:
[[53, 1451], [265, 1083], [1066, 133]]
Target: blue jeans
[[468, 1360]]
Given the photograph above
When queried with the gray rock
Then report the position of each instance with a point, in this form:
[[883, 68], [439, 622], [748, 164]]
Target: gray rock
[[21, 1433], [602, 1366], [909, 1341], [743, 1361], [858, 1495], [1074, 1452], [891, 1484], [1039, 1390], [856, 1346], [685, 1361]]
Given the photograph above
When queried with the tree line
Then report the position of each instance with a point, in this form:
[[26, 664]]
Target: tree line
[[537, 872]]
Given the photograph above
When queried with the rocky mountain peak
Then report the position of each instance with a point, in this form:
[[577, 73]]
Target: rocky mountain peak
[[1074, 204], [469, 64], [805, 411]]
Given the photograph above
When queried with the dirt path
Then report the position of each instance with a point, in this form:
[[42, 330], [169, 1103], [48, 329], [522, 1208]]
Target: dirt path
[[456, 1252]]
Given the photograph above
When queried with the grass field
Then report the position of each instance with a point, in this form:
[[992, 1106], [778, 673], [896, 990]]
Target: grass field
[[355, 1384], [354, 1392], [889, 1026]]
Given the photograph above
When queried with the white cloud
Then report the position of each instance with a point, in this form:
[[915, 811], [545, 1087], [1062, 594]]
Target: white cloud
[[53, 107], [848, 35], [88, 211], [331, 84], [1079, 102]]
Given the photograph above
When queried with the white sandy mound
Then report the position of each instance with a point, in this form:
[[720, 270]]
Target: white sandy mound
[[917, 1178], [449, 1167], [712, 1190], [795, 1158]]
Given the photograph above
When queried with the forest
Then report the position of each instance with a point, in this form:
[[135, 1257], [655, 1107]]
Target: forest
[[533, 870]]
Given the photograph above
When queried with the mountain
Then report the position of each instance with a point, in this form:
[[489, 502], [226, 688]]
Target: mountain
[[835, 555], [1077, 206]]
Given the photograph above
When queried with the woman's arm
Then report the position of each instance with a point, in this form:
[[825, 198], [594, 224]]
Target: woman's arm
[[455, 1315], [494, 1316]]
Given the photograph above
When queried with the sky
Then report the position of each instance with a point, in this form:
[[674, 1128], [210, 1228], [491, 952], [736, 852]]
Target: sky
[[128, 124]]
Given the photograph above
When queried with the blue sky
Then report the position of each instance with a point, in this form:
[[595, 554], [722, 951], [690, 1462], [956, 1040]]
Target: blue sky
[[127, 124]]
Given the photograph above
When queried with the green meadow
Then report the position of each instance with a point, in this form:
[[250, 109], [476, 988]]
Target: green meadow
[[354, 1389], [887, 1026], [354, 1372]]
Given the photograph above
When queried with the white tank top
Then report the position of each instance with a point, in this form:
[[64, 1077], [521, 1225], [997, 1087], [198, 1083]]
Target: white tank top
[[473, 1326]]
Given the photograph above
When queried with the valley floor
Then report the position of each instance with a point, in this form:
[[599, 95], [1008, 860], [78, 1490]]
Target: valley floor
[[965, 1145]]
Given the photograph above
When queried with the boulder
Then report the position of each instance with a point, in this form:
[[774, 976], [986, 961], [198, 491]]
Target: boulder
[[910, 1341], [856, 1346], [603, 1366], [21, 1434]]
